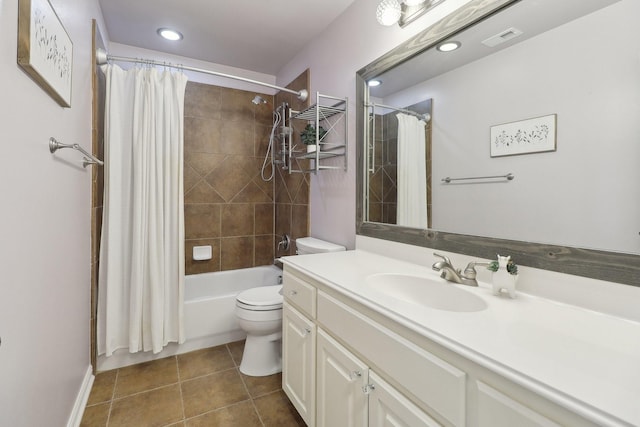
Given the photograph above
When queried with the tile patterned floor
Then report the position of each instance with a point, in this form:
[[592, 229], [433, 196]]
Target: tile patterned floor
[[197, 389]]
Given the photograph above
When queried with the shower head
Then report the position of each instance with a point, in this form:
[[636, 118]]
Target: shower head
[[259, 100]]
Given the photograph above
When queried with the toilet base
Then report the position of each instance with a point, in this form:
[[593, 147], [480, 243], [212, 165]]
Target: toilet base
[[262, 355]]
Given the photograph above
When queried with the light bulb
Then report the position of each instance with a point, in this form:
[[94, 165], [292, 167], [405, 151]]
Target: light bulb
[[388, 12], [448, 46], [413, 2], [169, 34]]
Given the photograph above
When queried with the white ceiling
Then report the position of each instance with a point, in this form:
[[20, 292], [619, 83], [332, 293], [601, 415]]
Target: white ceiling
[[256, 35]]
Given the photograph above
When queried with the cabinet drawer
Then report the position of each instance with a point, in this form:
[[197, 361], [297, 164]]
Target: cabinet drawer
[[300, 294], [432, 381]]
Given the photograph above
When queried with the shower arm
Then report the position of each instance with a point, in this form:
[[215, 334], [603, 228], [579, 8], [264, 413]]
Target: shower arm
[[102, 57]]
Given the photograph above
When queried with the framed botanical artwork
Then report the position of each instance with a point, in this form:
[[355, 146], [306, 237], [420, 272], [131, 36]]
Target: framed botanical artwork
[[535, 135], [45, 50]]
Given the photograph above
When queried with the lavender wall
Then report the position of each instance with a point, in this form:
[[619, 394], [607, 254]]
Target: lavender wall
[[351, 42], [44, 230]]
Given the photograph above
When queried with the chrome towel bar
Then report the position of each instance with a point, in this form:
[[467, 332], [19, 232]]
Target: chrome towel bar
[[89, 159], [508, 177]]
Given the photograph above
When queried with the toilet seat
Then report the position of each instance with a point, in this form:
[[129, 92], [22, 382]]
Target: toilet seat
[[262, 298]]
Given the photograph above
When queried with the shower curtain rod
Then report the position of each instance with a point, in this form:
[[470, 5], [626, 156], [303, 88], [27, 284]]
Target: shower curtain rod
[[426, 116], [102, 57]]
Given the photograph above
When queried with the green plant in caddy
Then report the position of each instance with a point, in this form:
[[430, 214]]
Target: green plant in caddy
[[512, 268], [308, 135]]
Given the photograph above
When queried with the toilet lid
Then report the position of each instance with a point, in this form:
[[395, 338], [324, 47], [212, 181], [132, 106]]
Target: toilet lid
[[261, 296]]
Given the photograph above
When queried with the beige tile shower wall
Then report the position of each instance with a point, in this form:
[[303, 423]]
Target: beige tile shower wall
[[292, 190], [390, 169], [227, 204], [376, 189], [383, 192]]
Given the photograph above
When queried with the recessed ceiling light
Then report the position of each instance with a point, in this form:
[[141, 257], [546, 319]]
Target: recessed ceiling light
[[169, 34], [374, 83], [448, 46]]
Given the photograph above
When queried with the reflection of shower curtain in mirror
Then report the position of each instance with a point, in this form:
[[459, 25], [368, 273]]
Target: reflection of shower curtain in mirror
[[412, 172], [141, 281]]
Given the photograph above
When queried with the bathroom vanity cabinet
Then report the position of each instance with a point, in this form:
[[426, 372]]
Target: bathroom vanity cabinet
[[327, 383], [347, 364]]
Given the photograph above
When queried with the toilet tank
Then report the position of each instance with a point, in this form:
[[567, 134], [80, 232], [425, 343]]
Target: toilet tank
[[311, 245]]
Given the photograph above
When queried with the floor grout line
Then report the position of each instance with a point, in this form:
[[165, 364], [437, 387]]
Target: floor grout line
[[180, 389], [231, 355], [113, 393], [255, 408], [217, 409], [244, 383], [209, 374], [146, 390]]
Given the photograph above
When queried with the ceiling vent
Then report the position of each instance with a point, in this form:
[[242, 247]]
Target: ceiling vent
[[503, 36]]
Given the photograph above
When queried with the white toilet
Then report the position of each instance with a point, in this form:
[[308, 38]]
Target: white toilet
[[259, 312], [311, 245]]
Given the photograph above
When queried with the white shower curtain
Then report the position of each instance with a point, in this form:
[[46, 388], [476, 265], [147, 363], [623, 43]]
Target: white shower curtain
[[141, 279], [412, 172]]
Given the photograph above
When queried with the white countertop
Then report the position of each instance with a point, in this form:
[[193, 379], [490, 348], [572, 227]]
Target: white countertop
[[586, 361]]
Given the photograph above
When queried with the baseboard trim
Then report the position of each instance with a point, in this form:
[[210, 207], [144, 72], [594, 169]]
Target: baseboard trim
[[81, 399], [122, 357]]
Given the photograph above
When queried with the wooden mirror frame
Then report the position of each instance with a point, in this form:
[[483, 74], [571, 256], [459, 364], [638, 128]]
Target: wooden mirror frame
[[597, 264]]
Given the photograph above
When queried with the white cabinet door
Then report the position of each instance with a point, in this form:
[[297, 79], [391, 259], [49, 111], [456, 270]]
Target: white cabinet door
[[433, 381], [298, 362], [496, 409], [388, 408], [341, 382]]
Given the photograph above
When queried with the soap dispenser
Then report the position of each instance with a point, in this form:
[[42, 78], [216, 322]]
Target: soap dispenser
[[505, 276]]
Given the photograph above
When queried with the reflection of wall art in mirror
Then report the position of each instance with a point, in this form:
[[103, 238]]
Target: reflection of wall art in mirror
[[525, 136], [45, 50]]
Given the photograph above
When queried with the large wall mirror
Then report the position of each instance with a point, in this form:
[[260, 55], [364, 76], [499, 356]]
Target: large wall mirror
[[542, 96]]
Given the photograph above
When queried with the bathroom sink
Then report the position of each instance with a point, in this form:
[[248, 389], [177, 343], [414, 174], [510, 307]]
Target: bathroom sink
[[425, 292]]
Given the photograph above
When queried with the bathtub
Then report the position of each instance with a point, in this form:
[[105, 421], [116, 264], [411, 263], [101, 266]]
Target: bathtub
[[209, 303], [209, 313]]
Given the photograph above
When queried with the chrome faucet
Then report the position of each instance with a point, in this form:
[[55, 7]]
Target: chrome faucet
[[450, 273]]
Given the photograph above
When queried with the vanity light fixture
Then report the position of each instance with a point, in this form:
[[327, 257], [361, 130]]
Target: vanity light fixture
[[388, 12], [169, 34], [403, 12], [448, 46], [374, 83]]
